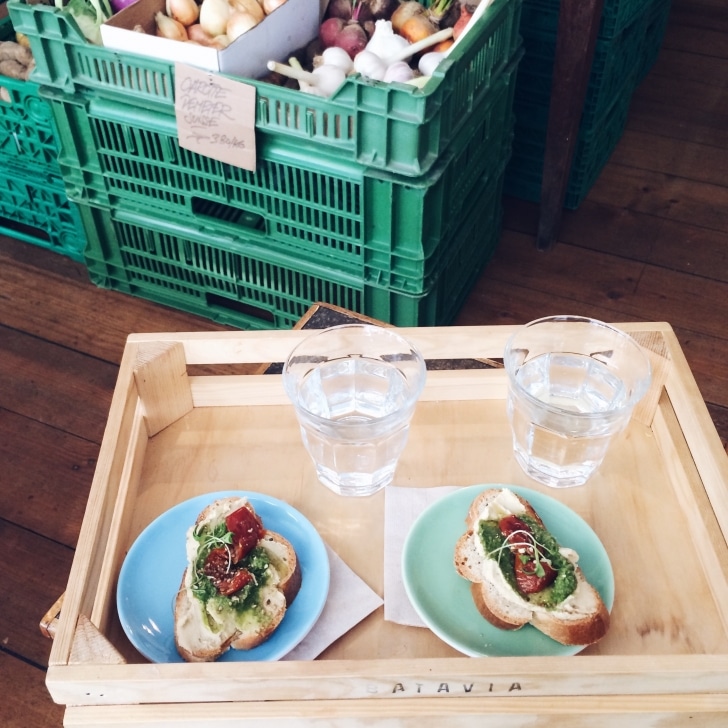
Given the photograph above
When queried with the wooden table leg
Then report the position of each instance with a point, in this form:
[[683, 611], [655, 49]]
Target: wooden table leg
[[575, 42]]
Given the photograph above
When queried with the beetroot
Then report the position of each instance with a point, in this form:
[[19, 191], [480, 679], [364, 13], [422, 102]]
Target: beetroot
[[329, 31], [352, 39], [347, 35]]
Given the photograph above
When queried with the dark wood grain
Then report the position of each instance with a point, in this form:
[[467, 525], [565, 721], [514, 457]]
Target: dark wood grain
[[650, 242]]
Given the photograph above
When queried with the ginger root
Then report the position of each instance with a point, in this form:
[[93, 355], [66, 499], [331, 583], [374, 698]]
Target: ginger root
[[16, 61]]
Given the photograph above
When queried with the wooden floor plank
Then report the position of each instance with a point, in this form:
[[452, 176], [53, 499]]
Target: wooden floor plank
[[55, 385], [35, 573], [75, 313], [611, 284], [661, 194], [48, 473], [701, 163], [649, 242], [25, 701]]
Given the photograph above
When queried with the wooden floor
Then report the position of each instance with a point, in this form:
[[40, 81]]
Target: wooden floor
[[649, 243]]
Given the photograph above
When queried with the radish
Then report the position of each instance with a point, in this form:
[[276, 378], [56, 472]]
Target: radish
[[349, 36]]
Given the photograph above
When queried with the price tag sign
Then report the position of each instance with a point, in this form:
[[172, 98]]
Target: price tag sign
[[215, 116]]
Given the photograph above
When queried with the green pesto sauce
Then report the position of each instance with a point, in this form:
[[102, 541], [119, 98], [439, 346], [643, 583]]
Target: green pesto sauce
[[565, 582], [244, 602]]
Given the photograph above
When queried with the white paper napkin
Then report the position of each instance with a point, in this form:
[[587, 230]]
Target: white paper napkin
[[402, 506], [350, 600]]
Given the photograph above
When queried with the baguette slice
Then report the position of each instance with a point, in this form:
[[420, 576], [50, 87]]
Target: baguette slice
[[195, 641], [581, 619]]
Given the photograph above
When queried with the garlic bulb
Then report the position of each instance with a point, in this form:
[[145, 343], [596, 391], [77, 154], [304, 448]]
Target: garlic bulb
[[328, 79], [429, 62], [399, 72], [370, 65], [384, 42], [335, 56]]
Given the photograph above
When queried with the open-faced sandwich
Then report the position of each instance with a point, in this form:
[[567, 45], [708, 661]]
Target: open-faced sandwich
[[520, 574], [239, 581]]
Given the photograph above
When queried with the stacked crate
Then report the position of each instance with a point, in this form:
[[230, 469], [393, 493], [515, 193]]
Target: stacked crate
[[384, 199], [34, 206], [630, 36]]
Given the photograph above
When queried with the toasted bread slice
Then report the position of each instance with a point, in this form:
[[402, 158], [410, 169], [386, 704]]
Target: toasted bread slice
[[203, 632], [580, 619]]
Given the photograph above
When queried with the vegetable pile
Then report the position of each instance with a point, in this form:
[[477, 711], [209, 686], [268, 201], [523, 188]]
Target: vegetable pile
[[213, 23], [382, 40]]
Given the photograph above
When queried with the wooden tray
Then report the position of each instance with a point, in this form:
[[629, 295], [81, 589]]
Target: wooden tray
[[183, 422]]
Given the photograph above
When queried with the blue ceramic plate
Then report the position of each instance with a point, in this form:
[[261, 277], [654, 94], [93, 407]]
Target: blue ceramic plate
[[442, 597], [152, 572]]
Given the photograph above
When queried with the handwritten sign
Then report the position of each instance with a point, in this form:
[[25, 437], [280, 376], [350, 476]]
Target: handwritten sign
[[215, 116]]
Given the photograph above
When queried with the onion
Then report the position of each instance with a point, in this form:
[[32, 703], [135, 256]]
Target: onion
[[169, 27], [252, 7], [183, 11], [270, 5], [214, 15], [198, 34], [239, 22]]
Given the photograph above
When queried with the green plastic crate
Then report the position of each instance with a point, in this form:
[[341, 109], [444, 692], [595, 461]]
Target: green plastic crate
[[27, 130], [328, 212], [657, 18], [594, 146], [393, 127], [34, 207], [217, 276], [616, 15], [616, 63]]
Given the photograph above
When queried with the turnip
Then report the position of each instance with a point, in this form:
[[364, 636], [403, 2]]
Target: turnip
[[329, 31], [349, 36], [352, 39]]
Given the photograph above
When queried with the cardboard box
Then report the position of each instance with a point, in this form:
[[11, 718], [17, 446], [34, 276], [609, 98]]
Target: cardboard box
[[289, 27]]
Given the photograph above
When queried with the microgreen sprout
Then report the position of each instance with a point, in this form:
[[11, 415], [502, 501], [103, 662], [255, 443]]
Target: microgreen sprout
[[210, 542], [527, 549]]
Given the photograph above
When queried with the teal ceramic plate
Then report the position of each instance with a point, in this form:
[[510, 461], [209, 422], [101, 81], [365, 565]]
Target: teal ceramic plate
[[442, 597], [152, 571]]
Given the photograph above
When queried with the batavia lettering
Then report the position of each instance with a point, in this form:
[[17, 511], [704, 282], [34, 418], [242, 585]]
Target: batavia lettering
[[445, 688]]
